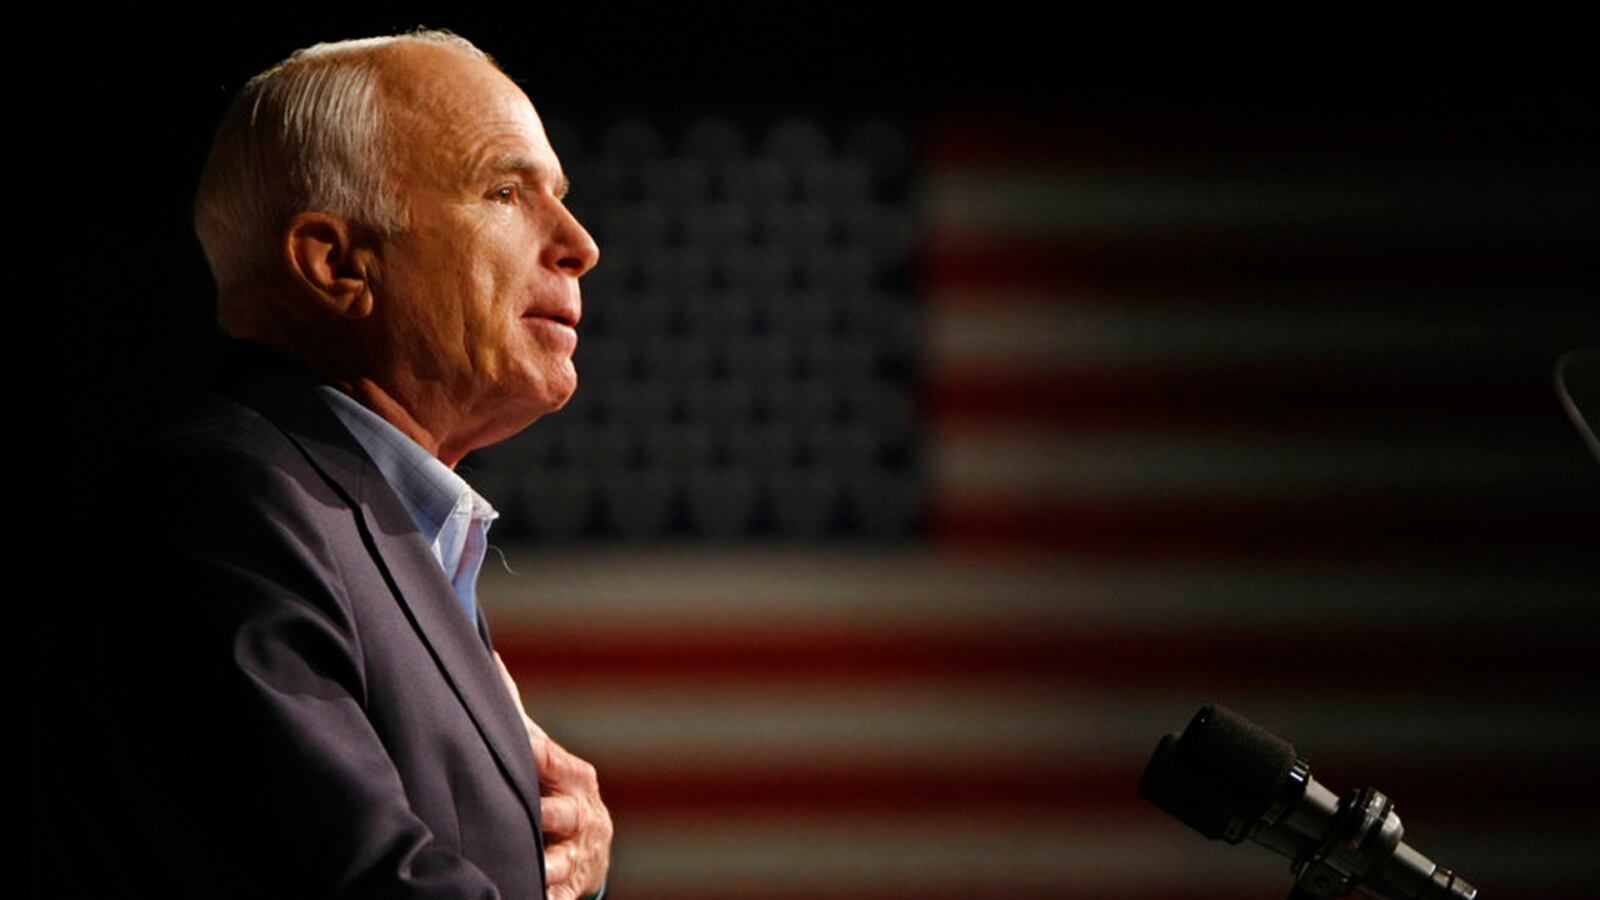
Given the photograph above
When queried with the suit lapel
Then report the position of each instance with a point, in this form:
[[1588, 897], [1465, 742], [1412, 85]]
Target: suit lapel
[[287, 398], [431, 604]]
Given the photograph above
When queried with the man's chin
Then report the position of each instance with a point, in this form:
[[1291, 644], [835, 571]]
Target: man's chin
[[559, 404], [562, 389], [546, 394]]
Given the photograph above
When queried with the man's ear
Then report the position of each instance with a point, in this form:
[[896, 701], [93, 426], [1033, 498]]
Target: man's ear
[[327, 255]]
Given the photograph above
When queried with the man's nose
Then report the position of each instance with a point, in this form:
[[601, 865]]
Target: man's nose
[[573, 250]]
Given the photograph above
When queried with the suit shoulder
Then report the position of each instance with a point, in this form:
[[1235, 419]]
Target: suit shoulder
[[226, 498], [220, 458], [216, 429]]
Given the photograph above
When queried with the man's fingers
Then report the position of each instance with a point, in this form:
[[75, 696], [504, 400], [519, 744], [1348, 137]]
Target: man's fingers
[[545, 752], [559, 862], [561, 815], [564, 772], [572, 812]]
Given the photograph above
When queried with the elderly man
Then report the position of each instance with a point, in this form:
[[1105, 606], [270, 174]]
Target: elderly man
[[284, 688]]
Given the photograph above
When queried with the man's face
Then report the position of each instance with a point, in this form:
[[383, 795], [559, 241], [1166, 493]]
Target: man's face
[[478, 298]]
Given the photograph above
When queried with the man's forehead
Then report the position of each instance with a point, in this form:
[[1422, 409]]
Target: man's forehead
[[418, 71], [455, 108]]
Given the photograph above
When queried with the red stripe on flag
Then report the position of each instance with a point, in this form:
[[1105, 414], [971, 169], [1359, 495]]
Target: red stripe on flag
[[1515, 525], [1552, 789], [766, 890], [1266, 395], [1424, 655], [1126, 263]]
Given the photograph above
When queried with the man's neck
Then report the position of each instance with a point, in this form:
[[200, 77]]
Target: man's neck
[[418, 409], [374, 396]]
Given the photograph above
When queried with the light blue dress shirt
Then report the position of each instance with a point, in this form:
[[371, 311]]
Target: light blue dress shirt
[[452, 517]]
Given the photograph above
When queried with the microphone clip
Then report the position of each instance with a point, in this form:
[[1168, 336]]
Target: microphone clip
[[1364, 832]]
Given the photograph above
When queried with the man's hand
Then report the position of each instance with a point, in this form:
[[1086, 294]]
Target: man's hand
[[577, 827]]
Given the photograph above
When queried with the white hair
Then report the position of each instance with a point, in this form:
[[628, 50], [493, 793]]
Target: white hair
[[308, 134]]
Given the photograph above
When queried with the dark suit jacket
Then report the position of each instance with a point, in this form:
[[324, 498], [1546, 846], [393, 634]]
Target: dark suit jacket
[[273, 691]]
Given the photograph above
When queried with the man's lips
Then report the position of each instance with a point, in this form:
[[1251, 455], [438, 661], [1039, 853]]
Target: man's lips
[[558, 327], [567, 317]]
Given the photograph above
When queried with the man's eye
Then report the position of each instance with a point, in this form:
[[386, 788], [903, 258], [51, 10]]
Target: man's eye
[[507, 194]]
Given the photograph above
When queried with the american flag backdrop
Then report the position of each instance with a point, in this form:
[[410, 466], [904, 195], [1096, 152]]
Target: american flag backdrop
[[1213, 407]]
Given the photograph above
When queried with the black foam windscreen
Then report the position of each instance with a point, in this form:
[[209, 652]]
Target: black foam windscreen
[[1243, 766], [1195, 804]]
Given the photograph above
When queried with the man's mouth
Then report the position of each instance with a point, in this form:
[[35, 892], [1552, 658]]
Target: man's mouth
[[565, 317]]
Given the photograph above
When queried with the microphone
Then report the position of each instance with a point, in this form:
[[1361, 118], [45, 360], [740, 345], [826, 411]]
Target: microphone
[[1230, 779]]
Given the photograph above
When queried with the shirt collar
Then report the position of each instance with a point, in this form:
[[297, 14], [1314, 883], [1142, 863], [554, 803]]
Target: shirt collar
[[428, 489]]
